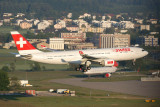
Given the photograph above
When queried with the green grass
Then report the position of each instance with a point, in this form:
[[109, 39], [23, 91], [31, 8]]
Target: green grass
[[76, 102], [7, 29], [41, 82]]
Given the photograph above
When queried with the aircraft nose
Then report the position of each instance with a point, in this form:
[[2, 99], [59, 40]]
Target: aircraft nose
[[146, 53]]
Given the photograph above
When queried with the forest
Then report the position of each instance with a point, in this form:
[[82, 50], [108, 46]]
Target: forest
[[57, 8]]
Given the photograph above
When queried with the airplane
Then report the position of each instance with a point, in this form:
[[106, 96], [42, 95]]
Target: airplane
[[83, 58]]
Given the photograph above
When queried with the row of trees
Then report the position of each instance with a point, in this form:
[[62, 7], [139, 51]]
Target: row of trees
[[35, 66], [56, 8], [12, 83]]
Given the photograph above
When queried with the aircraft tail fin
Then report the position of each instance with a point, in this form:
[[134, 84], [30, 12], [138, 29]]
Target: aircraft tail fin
[[23, 46]]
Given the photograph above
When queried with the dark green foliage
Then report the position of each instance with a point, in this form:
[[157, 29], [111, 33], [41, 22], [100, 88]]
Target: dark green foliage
[[89, 34], [35, 66], [110, 30], [57, 8], [6, 69], [5, 38], [4, 81], [43, 68], [14, 85], [9, 68], [12, 67]]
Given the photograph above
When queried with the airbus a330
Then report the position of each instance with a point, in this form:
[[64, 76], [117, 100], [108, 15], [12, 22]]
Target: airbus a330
[[83, 58]]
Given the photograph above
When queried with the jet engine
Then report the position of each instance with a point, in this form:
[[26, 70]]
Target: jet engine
[[109, 62], [107, 75]]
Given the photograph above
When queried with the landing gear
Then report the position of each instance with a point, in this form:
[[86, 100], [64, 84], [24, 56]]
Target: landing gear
[[80, 68], [88, 68], [84, 67], [84, 70], [77, 69], [133, 62]]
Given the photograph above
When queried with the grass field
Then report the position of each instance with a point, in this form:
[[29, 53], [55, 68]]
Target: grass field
[[40, 81], [7, 29], [84, 97], [74, 102]]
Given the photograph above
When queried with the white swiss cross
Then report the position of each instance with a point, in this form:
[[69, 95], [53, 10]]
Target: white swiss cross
[[21, 42]]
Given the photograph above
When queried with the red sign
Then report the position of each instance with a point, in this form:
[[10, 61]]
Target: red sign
[[122, 50], [110, 62]]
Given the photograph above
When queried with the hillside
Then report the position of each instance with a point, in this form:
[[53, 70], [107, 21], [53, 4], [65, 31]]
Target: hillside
[[56, 8]]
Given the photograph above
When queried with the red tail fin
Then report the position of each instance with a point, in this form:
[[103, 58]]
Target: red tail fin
[[23, 46], [21, 42]]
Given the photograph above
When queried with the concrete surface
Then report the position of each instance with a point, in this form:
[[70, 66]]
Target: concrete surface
[[134, 87]]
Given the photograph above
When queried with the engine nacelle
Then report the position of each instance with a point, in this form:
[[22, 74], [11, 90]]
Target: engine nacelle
[[107, 75], [109, 62]]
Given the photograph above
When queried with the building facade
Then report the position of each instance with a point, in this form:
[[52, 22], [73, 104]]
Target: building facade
[[56, 43], [25, 25], [114, 40], [72, 28], [80, 46], [145, 27], [122, 40], [147, 41], [36, 40], [73, 37], [43, 25], [106, 40]]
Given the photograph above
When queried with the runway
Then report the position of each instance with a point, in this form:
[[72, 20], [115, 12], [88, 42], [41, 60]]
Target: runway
[[134, 87]]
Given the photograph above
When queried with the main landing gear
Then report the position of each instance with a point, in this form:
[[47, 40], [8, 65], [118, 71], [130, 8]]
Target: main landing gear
[[85, 67], [133, 62]]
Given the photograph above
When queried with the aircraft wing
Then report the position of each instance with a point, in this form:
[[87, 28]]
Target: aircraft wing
[[91, 58], [48, 49]]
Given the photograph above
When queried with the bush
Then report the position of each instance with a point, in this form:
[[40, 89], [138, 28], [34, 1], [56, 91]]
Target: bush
[[35, 66], [6, 68], [4, 80], [15, 84]]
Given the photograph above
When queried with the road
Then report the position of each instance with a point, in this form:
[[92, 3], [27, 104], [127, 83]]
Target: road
[[133, 87]]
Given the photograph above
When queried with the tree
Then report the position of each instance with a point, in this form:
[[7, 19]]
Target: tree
[[43, 68], [35, 66], [6, 68], [110, 30], [14, 85], [4, 80], [12, 67]]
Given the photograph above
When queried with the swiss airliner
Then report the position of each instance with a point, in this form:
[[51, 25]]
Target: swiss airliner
[[83, 58]]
